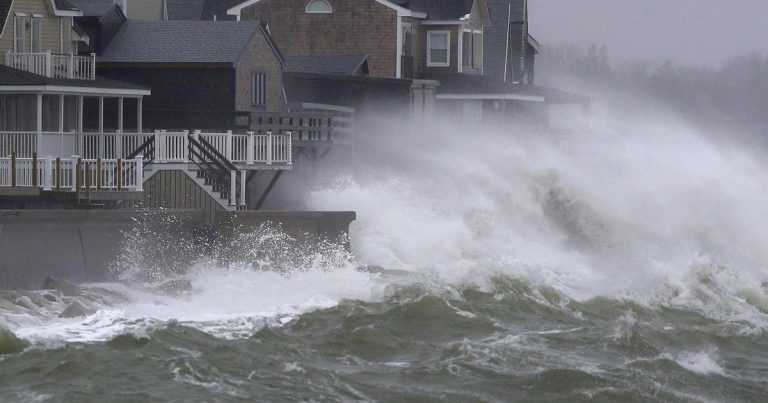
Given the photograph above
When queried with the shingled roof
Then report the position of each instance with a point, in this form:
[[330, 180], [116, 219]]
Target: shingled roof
[[330, 64], [200, 10], [14, 77], [181, 41], [94, 8]]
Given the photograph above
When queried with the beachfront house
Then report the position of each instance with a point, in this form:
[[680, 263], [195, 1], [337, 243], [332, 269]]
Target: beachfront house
[[476, 56]]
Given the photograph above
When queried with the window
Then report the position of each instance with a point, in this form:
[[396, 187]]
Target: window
[[259, 89], [319, 7], [438, 48], [468, 53], [66, 35], [20, 33]]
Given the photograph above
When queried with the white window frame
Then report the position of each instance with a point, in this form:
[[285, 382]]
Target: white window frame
[[16, 32], [447, 62], [67, 29], [330, 7], [36, 36]]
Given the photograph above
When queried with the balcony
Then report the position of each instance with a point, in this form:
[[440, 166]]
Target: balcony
[[53, 65]]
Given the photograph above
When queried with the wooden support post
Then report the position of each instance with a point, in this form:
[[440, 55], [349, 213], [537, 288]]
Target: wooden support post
[[139, 174], [58, 173], [61, 113], [101, 115], [87, 180], [34, 169], [139, 115], [232, 188], [77, 176], [243, 181], [250, 148], [120, 113], [47, 174], [13, 169], [80, 102], [98, 174], [39, 125], [119, 175]]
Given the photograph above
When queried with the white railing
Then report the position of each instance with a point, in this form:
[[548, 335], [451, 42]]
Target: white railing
[[54, 65], [170, 147], [251, 148], [72, 174], [24, 144]]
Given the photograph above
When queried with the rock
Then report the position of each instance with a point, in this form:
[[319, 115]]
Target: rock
[[25, 302], [75, 310], [67, 288]]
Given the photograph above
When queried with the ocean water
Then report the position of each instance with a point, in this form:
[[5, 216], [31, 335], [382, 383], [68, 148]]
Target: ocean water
[[624, 260]]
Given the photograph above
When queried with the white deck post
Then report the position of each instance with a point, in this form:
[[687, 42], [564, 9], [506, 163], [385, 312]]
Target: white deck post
[[120, 113], [290, 148], [101, 114], [61, 113], [228, 152], [139, 115], [39, 123], [250, 149], [242, 188], [269, 148], [232, 187], [47, 173], [159, 149], [139, 174], [80, 99], [185, 145], [48, 64]]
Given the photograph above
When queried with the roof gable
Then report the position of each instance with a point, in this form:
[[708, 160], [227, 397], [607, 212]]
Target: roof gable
[[181, 41], [5, 12], [393, 4]]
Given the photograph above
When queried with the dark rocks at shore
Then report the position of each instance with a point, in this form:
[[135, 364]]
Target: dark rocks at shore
[[67, 288], [75, 310]]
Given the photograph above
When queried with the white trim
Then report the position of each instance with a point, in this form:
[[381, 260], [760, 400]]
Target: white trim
[[37, 15], [306, 9], [401, 11], [506, 48], [399, 51], [517, 97], [460, 49], [442, 22], [447, 53], [87, 91], [21, 14]]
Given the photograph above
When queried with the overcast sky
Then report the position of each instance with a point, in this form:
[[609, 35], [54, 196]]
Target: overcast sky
[[691, 32]]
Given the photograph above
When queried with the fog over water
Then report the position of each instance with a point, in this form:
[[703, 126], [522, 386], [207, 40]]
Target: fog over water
[[690, 32]]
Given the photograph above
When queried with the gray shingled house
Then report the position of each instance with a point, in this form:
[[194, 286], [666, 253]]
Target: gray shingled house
[[204, 74]]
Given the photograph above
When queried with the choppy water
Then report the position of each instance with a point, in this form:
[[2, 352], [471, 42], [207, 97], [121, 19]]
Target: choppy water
[[614, 265]]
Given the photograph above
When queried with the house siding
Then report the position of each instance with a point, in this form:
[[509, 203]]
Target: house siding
[[454, 46], [50, 26], [259, 57], [144, 10], [495, 40], [355, 26]]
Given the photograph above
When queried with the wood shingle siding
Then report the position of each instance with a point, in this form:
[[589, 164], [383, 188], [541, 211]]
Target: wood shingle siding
[[258, 57], [354, 26], [144, 10]]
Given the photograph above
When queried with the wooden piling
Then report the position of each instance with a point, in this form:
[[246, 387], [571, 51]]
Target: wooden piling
[[98, 174], [13, 169], [119, 175], [34, 169], [58, 173]]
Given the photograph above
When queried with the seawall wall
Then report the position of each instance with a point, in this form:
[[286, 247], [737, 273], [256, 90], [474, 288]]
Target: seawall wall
[[80, 246]]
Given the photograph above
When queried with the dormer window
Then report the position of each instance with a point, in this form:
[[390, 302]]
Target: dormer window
[[319, 7]]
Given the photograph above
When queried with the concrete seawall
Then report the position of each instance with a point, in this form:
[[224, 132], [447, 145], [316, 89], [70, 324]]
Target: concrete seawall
[[80, 245]]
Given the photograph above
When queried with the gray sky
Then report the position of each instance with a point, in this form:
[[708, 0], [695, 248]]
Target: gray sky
[[691, 32]]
